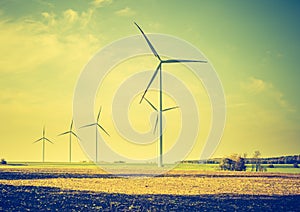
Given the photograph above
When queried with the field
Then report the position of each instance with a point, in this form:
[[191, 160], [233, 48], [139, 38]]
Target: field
[[85, 187]]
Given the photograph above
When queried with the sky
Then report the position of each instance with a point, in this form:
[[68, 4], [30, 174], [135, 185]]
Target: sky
[[253, 46]]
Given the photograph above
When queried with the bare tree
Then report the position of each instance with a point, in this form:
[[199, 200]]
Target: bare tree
[[256, 161]]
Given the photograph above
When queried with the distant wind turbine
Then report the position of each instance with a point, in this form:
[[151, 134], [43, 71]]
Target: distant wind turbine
[[43, 139], [97, 125], [70, 139], [159, 69], [164, 110]]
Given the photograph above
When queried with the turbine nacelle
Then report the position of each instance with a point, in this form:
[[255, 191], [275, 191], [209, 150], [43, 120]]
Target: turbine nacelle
[[70, 131], [97, 123], [44, 137]]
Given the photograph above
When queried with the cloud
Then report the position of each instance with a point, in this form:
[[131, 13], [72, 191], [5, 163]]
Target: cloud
[[86, 17], [49, 17], [125, 12], [101, 3], [20, 51], [68, 19], [29, 43], [45, 3], [269, 56], [279, 97], [46, 15], [267, 92], [68, 23], [155, 25], [70, 15], [254, 85]]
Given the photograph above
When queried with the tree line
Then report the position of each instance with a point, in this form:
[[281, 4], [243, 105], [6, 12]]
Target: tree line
[[237, 162]]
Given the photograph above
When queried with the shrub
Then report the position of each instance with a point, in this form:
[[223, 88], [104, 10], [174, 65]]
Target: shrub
[[296, 165], [233, 163], [3, 161], [271, 166]]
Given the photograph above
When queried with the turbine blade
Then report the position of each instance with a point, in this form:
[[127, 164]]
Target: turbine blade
[[103, 129], [38, 140], [150, 104], [89, 125], [184, 61], [71, 125], [75, 135], [44, 131], [155, 126], [48, 140], [148, 41], [64, 133], [170, 108], [153, 77], [99, 114]]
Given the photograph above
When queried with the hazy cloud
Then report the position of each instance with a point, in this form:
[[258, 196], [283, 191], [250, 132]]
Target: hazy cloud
[[125, 12], [49, 17], [267, 91], [254, 85], [270, 56], [28, 43], [101, 3], [70, 15]]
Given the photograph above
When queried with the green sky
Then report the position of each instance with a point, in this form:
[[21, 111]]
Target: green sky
[[253, 45]]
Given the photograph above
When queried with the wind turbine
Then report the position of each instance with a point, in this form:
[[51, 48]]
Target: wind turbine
[[164, 110], [159, 69], [70, 139], [43, 139], [97, 125]]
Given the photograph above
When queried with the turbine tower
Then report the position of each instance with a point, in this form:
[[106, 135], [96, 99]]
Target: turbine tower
[[164, 110], [159, 69], [43, 139], [97, 125], [70, 139]]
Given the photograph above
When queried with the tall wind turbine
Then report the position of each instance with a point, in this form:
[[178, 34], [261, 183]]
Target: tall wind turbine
[[159, 69], [70, 139], [97, 125], [43, 139], [164, 110]]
